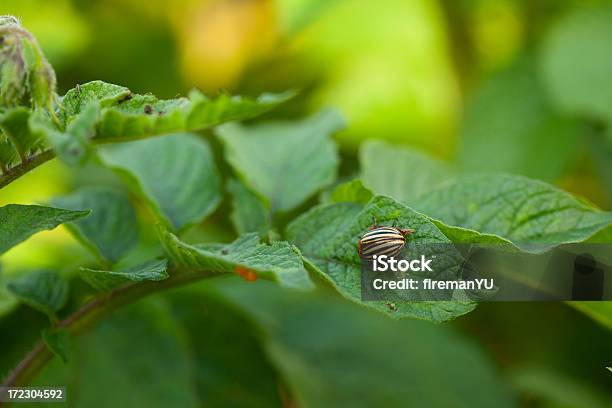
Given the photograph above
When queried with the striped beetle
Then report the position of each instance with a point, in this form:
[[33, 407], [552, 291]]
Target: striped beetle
[[382, 241]]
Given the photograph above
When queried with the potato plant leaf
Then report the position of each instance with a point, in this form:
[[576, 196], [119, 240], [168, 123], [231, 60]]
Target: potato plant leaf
[[576, 63], [144, 116], [515, 208], [7, 300], [8, 154], [468, 236], [510, 126], [58, 341], [175, 174], [155, 270], [327, 235], [286, 162], [139, 347], [400, 172], [19, 222], [352, 191], [332, 354], [108, 113], [250, 212], [45, 291], [14, 123], [231, 368], [74, 145], [601, 312], [99, 92], [279, 261], [132, 116], [111, 229]]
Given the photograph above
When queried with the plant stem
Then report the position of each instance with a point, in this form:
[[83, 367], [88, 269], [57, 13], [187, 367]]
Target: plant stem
[[90, 313], [25, 166], [36, 160]]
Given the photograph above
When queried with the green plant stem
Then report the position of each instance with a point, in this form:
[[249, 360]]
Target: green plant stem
[[89, 314], [36, 160], [25, 166]]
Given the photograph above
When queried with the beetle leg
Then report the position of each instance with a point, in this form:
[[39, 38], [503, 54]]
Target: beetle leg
[[374, 224]]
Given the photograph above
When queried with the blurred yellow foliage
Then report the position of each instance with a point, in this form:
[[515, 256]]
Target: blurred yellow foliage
[[219, 39], [497, 32], [61, 32]]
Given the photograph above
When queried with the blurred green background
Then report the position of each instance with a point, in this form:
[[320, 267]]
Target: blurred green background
[[491, 85]]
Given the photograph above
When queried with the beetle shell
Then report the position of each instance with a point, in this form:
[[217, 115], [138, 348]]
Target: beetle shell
[[382, 241]]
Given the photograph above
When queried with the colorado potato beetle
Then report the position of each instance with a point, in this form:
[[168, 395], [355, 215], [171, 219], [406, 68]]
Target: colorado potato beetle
[[382, 241]]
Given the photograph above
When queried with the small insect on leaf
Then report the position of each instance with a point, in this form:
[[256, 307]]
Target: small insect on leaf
[[247, 274], [392, 307], [382, 241]]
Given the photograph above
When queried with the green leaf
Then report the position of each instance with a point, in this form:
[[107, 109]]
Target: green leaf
[[328, 234], [8, 154], [144, 116], [58, 341], [231, 368], [74, 145], [98, 92], [131, 116], [176, 174], [279, 261], [400, 172], [576, 63], [286, 162], [140, 347], [249, 211], [333, 354], [7, 300], [107, 113], [155, 270], [601, 153], [601, 312], [111, 230], [15, 125], [19, 222], [352, 192], [552, 388], [45, 291], [509, 126], [468, 236], [515, 208]]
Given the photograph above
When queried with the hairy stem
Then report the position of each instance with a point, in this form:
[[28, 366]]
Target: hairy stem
[[89, 314], [36, 160], [24, 167]]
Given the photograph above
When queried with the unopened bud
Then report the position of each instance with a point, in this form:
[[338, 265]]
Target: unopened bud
[[26, 78]]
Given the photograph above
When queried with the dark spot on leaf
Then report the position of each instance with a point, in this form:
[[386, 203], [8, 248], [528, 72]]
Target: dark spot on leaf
[[224, 251], [127, 97], [148, 109]]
